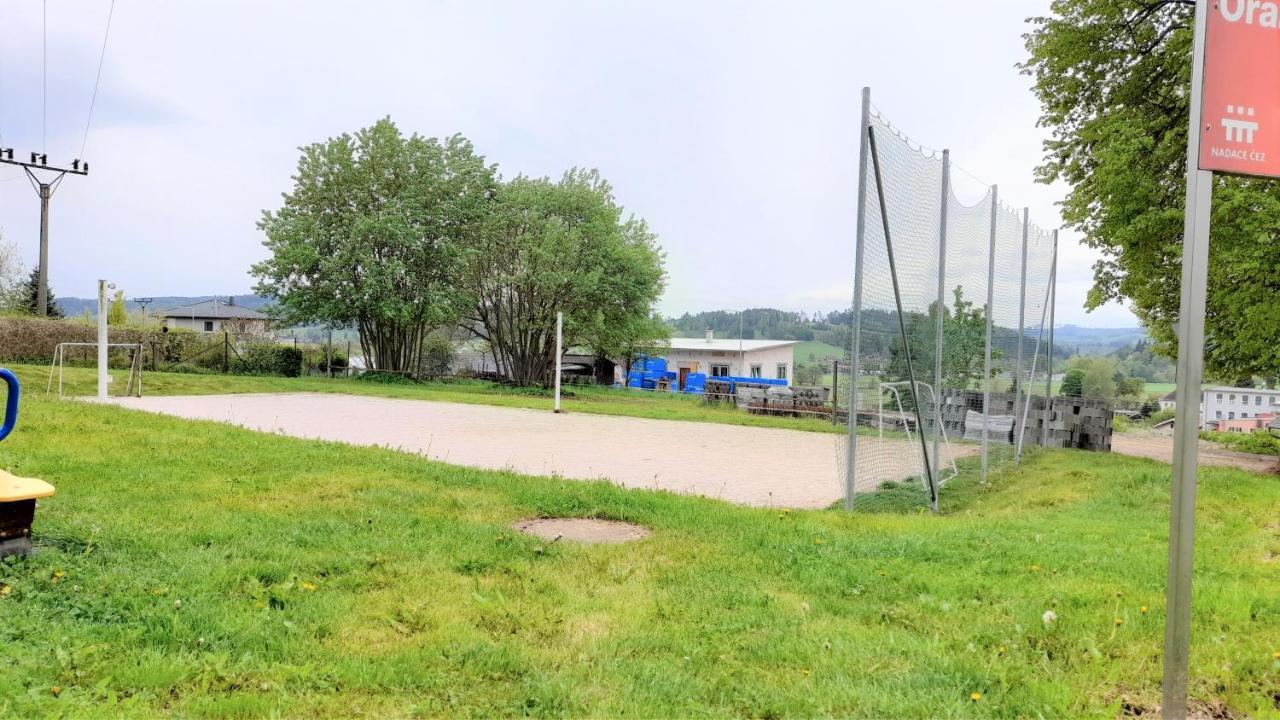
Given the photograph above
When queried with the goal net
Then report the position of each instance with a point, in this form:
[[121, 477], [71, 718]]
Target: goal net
[[124, 366]]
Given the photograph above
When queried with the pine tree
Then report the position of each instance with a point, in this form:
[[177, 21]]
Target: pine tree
[[30, 292]]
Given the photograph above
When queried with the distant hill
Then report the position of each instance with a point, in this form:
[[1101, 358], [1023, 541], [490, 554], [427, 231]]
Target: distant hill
[[1097, 341], [72, 307]]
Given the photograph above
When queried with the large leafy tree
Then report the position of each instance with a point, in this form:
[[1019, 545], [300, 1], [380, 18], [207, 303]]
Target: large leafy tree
[[1113, 77], [562, 246], [374, 234], [964, 339]]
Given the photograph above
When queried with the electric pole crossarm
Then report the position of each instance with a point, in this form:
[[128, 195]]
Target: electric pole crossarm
[[77, 167], [45, 189]]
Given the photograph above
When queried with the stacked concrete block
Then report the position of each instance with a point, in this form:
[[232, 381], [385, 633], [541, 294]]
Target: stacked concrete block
[[1082, 423], [1073, 422]]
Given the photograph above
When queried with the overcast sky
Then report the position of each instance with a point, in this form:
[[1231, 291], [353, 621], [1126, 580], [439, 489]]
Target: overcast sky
[[731, 127]]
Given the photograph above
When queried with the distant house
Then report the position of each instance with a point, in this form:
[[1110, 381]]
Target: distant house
[[1169, 402], [733, 358], [215, 316], [1243, 425]]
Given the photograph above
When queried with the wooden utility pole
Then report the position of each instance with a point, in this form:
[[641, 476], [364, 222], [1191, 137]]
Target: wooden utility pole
[[44, 187]]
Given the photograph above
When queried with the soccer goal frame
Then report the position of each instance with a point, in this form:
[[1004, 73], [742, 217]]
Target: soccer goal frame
[[905, 420], [132, 388]]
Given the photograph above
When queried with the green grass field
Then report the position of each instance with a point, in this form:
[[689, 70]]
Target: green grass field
[[80, 381], [199, 570], [820, 350]]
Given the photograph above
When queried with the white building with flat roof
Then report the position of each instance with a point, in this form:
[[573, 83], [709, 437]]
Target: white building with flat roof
[[1232, 403], [735, 358]]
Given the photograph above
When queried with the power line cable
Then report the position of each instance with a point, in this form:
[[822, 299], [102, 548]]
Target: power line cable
[[93, 100]]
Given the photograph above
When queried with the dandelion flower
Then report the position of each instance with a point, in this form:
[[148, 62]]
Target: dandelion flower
[[817, 541], [1276, 654], [58, 575], [1143, 609], [56, 690], [1049, 617], [975, 696], [5, 589], [1119, 622], [1035, 568], [308, 586]]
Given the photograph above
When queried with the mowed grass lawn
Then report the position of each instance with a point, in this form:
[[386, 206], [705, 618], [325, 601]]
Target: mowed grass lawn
[[195, 569], [80, 381]]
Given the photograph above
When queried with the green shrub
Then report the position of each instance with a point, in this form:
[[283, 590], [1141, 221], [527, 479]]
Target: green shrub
[[268, 359], [1258, 442], [437, 357], [385, 378]]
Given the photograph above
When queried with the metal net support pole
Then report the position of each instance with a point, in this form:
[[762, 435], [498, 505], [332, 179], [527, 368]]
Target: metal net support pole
[[1035, 357], [902, 324], [1018, 384], [1048, 383], [942, 313], [986, 362], [851, 457]]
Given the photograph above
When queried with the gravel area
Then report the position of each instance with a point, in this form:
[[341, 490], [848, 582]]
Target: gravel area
[[1159, 446], [748, 465]]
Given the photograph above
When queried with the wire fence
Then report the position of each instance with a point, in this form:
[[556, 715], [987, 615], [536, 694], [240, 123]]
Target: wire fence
[[951, 324]]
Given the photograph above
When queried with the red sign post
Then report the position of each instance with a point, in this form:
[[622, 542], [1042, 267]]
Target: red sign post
[[1240, 110], [1234, 128]]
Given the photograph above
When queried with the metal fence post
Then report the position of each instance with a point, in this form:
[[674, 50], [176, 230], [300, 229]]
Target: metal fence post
[[1022, 330], [1048, 384], [942, 312], [835, 390], [851, 458], [986, 362]]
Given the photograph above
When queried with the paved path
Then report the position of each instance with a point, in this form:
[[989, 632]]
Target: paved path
[[747, 465]]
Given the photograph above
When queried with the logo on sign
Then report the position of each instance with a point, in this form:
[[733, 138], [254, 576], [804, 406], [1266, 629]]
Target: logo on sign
[[1238, 129]]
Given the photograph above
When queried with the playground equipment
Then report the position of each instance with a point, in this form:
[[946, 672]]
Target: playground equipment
[[18, 495]]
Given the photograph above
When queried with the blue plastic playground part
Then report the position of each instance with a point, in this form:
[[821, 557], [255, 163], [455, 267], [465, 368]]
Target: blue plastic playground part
[[11, 404]]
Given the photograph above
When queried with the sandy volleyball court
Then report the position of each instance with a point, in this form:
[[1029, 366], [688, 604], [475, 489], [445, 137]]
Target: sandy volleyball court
[[747, 465]]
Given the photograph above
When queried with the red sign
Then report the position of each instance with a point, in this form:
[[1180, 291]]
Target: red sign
[[1240, 110]]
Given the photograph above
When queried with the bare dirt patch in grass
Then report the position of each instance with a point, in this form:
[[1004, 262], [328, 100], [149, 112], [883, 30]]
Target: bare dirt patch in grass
[[586, 530]]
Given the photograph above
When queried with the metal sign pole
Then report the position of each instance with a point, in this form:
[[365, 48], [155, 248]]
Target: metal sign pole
[[1190, 374]]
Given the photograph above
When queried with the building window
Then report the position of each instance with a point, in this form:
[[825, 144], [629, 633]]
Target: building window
[[719, 371], [1219, 414], [1231, 415], [756, 371], [1232, 397], [1257, 399], [208, 326], [782, 371], [1244, 414], [1219, 397]]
